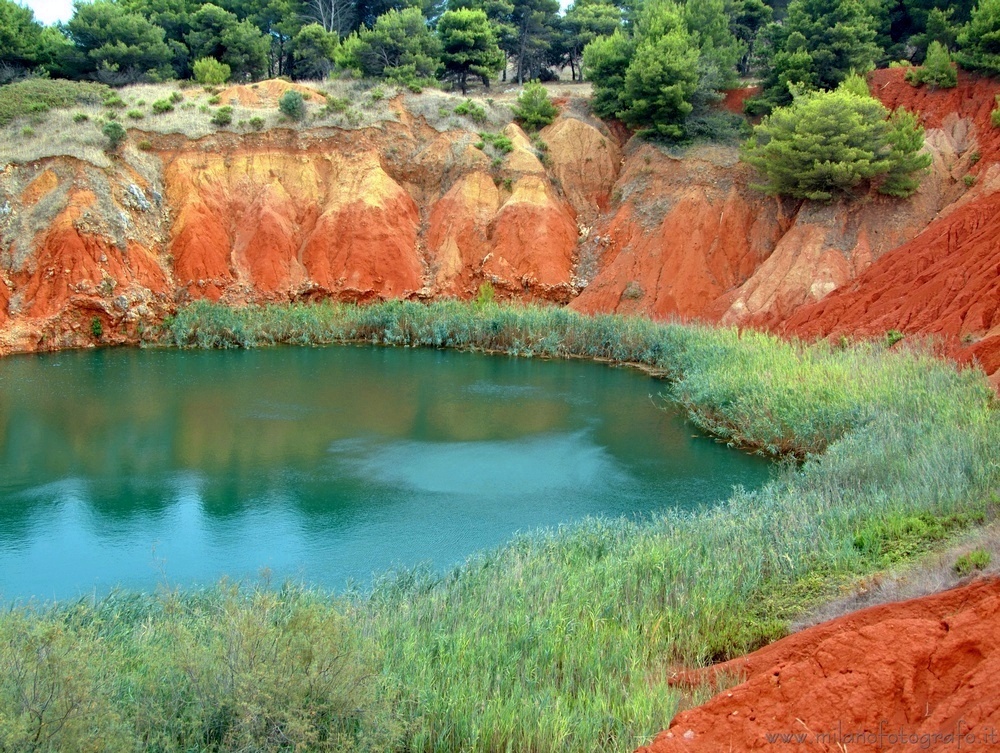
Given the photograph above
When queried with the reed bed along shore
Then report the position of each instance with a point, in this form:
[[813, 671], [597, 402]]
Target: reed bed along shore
[[562, 639]]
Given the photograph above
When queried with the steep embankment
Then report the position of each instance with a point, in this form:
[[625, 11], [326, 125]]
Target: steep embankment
[[946, 281], [925, 668], [692, 239], [404, 210], [397, 211]]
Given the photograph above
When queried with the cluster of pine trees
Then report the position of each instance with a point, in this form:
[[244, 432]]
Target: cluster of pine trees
[[657, 65], [124, 41]]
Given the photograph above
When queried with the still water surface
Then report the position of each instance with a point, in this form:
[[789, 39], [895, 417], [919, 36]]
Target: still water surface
[[136, 468]]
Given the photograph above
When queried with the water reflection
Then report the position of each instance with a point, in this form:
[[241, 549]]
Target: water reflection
[[325, 464]]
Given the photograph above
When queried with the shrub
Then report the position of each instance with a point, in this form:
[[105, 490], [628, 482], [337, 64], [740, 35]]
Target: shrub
[[223, 116], [472, 111], [828, 145], [80, 117], [114, 101], [335, 105], [210, 72], [96, 328], [969, 180], [115, 134], [176, 97], [498, 141], [534, 109], [145, 145], [937, 71], [27, 132], [292, 105], [485, 295], [135, 114], [256, 122], [977, 559], [162, 106]]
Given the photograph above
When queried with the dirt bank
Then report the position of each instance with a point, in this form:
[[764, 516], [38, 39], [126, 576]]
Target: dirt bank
[[925, 667]]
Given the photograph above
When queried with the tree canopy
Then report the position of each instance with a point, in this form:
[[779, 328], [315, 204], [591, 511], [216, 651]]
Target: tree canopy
[[837, 144], [112, 42], [979, 41], [819, 45], [399, 46], [468, 46]]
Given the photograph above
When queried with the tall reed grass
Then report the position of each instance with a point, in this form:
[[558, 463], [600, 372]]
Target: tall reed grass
[[562, 639]]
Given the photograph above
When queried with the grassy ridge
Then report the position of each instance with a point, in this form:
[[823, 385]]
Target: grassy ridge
[[561, 639]]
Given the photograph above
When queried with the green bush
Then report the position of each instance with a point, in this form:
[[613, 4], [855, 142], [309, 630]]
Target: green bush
[[977, 42], [256, 122], [938, 70], [534, 109], [500, 143], [176, 97], [474, 112], [162, 106], [977, 559], [292, 105], [223, 116], [485, 295], [136, 114], [830, 145], [210, 72], [115, 133], [80, 117]]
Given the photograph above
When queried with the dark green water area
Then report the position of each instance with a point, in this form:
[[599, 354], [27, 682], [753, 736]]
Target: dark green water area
[[141, 468]]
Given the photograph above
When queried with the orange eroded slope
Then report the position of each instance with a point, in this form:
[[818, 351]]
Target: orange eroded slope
[[924, 667]]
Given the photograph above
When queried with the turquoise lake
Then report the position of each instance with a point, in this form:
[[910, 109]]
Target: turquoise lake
[[141, 468]]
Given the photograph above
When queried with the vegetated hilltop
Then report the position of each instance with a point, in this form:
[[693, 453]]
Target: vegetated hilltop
[[386, 194]]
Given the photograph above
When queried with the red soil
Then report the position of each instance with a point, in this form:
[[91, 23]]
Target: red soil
[[925, 667], [735, 99]]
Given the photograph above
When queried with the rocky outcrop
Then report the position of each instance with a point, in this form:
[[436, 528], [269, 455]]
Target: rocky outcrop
[[692, 239], [894, 677], [402, 210], [398, 211]]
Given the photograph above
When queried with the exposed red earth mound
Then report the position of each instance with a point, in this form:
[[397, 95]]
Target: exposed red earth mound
[[403, 210], [691, 238], [400, 210], [946, 281], [895, 677]]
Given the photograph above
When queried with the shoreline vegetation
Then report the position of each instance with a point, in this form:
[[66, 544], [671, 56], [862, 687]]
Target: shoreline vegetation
[[562, 639]]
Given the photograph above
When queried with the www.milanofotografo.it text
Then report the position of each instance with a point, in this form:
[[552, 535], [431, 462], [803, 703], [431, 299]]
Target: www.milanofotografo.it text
[[961, 737]]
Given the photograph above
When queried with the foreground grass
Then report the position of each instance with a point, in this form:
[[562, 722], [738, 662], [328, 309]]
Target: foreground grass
[[561, 639]]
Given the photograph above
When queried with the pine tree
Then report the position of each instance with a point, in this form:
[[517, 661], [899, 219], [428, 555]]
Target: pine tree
[[821, 43], [842, 143], [938, 70], [468, 46], [979, 41]]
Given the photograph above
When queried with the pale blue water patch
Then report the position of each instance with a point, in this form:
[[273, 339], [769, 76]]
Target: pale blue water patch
[[140, 468]]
